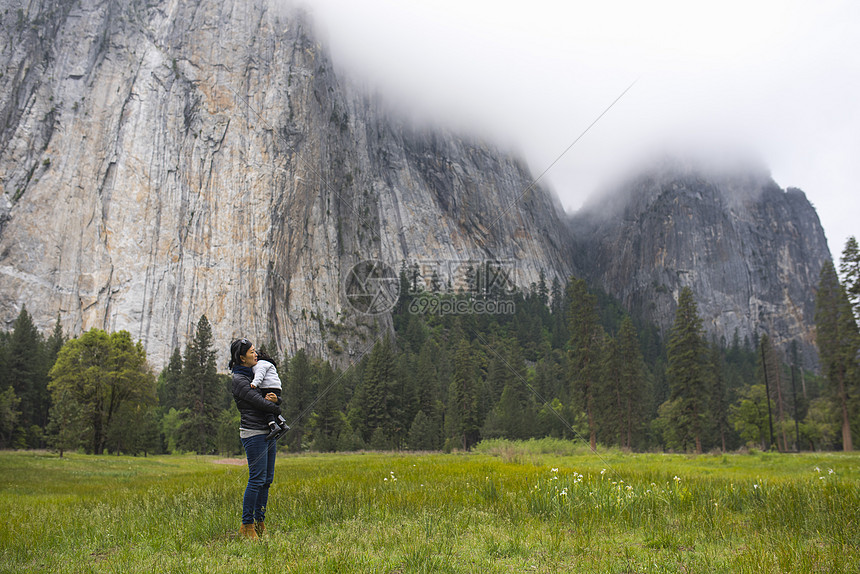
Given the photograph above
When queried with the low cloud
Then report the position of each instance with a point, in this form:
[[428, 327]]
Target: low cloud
[[775, 80]]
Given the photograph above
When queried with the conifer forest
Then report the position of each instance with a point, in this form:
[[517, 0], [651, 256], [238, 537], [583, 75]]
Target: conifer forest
[[565, 362]]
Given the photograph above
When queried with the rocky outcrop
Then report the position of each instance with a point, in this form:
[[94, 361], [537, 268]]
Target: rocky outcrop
[[160, 160], [750, 251]]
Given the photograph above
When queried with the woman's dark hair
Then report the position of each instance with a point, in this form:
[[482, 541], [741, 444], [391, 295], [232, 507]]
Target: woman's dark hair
[[262, 355], [238, 348]]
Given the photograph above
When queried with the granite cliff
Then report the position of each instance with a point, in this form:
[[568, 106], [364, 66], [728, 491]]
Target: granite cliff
[[160, 160], [750, 251]]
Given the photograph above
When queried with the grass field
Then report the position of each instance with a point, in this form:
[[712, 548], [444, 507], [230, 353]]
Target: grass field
[[541, 506]]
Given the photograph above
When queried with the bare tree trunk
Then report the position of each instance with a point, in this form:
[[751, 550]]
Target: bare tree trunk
[[847, 445], [629, 422], [781, 413]]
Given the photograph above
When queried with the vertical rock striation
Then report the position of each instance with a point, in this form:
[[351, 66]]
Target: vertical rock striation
[[161, 159]]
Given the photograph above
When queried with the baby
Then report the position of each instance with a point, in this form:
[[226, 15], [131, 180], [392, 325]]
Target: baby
[[266, 380]]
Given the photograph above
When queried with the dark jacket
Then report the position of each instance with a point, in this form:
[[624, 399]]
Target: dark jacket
[[251, 404]]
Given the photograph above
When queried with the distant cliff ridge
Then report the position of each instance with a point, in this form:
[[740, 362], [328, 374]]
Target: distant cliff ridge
[[161, 160], [750, 251]]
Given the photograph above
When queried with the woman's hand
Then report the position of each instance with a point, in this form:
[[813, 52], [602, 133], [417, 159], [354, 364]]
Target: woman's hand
[[272, 397]]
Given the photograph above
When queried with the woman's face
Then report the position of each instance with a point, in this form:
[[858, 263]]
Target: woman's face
[[249, 359]]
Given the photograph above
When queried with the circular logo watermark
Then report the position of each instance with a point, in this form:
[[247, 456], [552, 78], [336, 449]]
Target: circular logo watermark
[[372, 287]]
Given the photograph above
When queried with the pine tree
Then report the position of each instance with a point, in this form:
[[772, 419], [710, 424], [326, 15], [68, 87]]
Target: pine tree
[[379, 389], [200, 391], [719, 395], [586, 340], [327, 416], [405, 392], [462, 422], [633, 382], [421, 433], [9, 414], [685, 371], [506, 368], [48, 356], [28, 374], [551, 382], [511, 414], [5, 381], [849, 265], [557, 297], [414, 335], [55, 342], [558, 322], [542, 290], [609, 404], [404, 287], [170, 383], [415, 278], [837, 340], [497, 378], [297, 396], [429, 391]]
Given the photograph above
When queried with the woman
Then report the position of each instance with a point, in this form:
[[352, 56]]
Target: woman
[[253, 430]]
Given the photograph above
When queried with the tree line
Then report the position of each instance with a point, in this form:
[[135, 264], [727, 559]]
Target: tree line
[[567, 362]]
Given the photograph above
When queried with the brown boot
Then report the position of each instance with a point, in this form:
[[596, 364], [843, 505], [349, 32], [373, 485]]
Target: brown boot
[[260, 527], [248, 531]]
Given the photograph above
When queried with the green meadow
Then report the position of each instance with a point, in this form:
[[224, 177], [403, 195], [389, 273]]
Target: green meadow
[[538, 506]]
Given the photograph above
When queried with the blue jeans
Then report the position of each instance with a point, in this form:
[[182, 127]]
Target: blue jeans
[[261, 472]]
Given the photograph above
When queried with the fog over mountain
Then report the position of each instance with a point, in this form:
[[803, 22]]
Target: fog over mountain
[[164, 160], [773, 80]]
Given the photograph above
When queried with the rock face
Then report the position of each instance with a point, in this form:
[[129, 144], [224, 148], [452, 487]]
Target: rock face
[[750, 251], [160, 160]]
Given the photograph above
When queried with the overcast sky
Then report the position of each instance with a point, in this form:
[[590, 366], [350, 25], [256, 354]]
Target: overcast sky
[[776, 80]]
